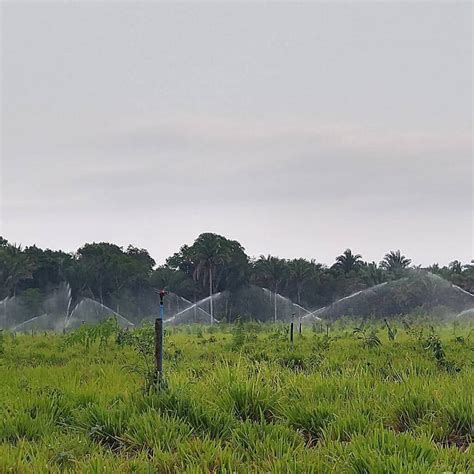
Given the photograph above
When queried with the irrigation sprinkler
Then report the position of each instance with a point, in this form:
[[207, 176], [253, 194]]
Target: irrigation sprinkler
[[159, 339]]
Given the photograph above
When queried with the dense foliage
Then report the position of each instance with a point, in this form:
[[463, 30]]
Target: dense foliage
[[345, 398], [122, 278]]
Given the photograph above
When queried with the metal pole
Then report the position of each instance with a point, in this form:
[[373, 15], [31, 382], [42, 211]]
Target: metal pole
[[159, 339], [275, 303], [210, 294]]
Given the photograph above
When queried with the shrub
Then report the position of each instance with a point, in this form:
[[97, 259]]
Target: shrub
[[412, 409], [310, 421], [152, 430]]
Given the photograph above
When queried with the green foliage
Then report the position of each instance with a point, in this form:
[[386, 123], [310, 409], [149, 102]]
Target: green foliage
[[309, 420], [459, 421], [123, 278], [435, 346], [249, 398], [88, 334], [369, 340], [411, 410], [391, 331], [155, 431], [142, 340], [242, 334], [323, 405], [395, 263]]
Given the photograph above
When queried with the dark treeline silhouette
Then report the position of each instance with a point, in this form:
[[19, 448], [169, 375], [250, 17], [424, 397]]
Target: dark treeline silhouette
[[122, 277]]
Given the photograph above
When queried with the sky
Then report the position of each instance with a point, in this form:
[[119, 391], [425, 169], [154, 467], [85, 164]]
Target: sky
[[298, 129]]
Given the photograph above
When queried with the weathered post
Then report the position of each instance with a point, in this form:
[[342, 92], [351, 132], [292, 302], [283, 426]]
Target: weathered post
[[159, 339], [327, 329], [300, 329], [291, 332]]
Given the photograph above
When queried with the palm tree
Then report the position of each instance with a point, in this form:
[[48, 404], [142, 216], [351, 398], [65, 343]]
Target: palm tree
[[373, 274], [348, 262], [209, 251], [300, 271], [394, 262], [456, 266], [274, 270]]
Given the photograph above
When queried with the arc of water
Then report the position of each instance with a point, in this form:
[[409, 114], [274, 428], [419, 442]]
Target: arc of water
[[314, 313], [277, 295], [107, 309], [372, 288], [195, 305], [4, 301], [307, 311], [317, 311], [117, 315], [465, 312], [463, 290], [17, 327], [68, 319], [69, 302], [273, 295]]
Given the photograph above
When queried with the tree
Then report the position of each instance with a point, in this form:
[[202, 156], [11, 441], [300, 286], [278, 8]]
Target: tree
[[95, 263], [51, 267], [182, 260], [236, 270], [300, 271], [273, 271], [456, 267], [373, 274], [174, 280], [395, 263], [209, 251], [105, 269], [123, 278], [15, 266], [348, 262]]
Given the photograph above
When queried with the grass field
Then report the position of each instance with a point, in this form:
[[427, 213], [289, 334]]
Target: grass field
[[239, 399]]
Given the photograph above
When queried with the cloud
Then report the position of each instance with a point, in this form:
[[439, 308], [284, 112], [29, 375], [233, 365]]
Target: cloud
[[234, 135], [251, 162]]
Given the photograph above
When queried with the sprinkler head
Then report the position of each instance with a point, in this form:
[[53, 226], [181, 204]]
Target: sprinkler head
[[162, 294]]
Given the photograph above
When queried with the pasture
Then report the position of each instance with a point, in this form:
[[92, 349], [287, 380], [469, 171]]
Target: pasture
[[239, 398]]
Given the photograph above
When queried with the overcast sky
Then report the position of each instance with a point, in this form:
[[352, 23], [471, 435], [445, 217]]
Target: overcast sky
[[297, 129]]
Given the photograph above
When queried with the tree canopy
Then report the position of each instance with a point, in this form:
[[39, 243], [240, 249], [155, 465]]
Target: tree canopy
[[117, 276]]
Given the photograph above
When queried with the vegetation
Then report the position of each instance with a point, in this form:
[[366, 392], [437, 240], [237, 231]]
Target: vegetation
[[239, 398], [122, 278]]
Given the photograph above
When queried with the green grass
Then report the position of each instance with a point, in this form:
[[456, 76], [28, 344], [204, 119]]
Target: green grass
[[239, 399]]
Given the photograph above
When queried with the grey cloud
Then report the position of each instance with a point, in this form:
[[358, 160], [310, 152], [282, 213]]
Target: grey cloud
[[298, 129]]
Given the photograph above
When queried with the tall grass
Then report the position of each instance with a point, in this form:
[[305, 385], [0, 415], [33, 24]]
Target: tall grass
[[239, 399]]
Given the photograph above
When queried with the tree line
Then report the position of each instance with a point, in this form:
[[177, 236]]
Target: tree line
[[112, 275]]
